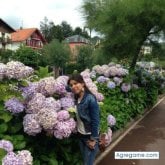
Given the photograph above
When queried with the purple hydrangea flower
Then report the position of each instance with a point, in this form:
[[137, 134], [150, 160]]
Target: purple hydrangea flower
[[47, 86], [12, 159], [36, 103], [111, 85], [101, 79], [6, 145], [53, 104], [63, 129], [111, 120], [31, 124], [125, 87], [60, 88], [14, 105], [26, 157], [17, 70], [30, 90], [63, 115], [67, 102], [47, 118]]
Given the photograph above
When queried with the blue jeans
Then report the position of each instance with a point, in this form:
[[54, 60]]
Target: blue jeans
[[87, 153]]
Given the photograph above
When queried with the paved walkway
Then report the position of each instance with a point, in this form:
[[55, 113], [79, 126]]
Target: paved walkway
[[147, 135]]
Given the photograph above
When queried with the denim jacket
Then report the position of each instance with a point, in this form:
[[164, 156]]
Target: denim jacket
[[89, 113]]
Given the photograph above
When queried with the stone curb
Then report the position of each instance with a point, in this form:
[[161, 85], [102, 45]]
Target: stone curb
[[120, 134]]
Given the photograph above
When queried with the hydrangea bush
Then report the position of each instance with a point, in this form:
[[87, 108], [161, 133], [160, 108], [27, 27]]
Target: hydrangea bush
[[39, 115], [23, 157]]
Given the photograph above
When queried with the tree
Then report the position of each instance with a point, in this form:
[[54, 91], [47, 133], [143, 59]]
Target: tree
[[125, 24], [58, 33], [77, 31], [47, 29], [27, 55], [66, 29], [57, 55], [84, 57]]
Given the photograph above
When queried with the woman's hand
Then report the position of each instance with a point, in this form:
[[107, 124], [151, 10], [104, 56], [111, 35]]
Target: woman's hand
[[91, 144]]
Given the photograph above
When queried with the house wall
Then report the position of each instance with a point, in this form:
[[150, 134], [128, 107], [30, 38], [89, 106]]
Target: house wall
[[15, 45], [74, 51], [6, 39]]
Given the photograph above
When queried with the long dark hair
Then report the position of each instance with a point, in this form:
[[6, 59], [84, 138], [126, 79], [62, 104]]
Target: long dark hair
[[78, 78]]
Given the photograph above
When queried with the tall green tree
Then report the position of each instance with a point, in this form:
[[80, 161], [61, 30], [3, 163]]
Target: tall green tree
[[66, 29], [84, 57], [57, 54], [47, 29], [79, 31], [125, 24]]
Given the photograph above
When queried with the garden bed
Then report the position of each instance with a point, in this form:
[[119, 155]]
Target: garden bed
[[119, 134]]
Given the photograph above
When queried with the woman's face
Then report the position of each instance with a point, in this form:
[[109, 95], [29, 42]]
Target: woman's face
[[76, 87]]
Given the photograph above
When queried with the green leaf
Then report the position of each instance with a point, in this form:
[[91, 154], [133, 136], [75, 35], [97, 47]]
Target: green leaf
[[20, 146], [3, 128], [7, 137], [5, 116], [19, 137], [15, 128], [53, 161], [2, 153], [44, 157], [23, 83]]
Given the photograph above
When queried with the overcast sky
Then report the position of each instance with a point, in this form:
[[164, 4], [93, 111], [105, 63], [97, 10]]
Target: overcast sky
[[29, 13]]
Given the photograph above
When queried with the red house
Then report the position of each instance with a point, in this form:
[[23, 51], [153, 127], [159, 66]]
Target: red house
[[74, 42], [30, 37]]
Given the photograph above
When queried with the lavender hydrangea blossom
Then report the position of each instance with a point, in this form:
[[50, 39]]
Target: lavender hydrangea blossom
[[47, 86], [6, 145], [63, 115], [60, 88], [31, 125], [17, 70], [14, 105], [111, 120], [47, 118], [51, 103], [63, 129], [12, 159], [111, 85], [101, 79], [26, 157], [125, 87], [30, 90], [67, 102], [36, 103]]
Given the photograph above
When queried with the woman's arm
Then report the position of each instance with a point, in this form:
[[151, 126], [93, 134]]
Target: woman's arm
[[94, 113]]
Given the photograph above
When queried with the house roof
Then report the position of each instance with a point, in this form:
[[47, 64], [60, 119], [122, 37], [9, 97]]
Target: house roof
[[76, 39], [23, 34], [9, 27]]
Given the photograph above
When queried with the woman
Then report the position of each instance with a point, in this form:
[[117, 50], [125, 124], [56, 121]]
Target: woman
[[87, 118]]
